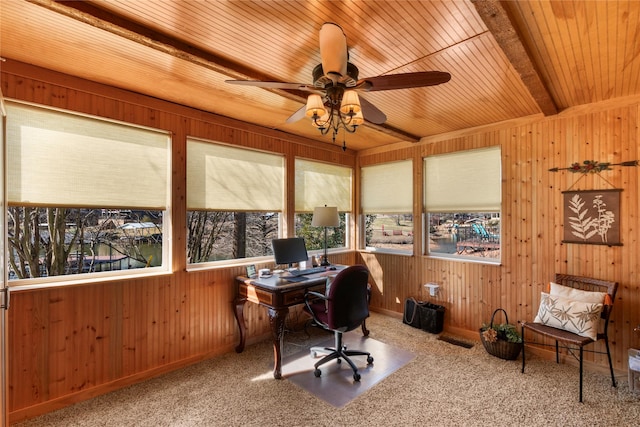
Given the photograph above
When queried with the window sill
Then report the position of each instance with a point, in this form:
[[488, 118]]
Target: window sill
[[84, 279], [458, 258]]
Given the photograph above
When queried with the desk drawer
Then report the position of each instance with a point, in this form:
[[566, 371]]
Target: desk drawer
[[255, 295], [297, 296]]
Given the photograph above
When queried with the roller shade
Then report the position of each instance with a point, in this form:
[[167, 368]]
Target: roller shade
[[230, 179], [55, 158], [469, 181], [319, 184], [388, 188]]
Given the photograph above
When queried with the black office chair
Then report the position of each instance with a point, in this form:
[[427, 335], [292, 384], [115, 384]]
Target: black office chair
[[342, 309]]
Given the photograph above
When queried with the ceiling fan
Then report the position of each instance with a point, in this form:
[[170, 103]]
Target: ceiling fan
[[333, 101]]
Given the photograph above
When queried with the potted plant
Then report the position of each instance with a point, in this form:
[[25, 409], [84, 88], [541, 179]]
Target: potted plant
[[501, 340]]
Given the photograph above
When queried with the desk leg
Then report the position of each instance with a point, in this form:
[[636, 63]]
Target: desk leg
[[277, 318], [239, 312], [365, 331]]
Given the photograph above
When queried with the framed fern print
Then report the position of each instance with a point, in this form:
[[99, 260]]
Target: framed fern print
[[592, 217]]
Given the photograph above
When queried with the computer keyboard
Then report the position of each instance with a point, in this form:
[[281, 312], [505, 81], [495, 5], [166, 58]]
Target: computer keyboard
[[306, 271], [294, 279]]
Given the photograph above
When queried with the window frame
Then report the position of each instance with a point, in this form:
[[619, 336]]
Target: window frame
[[481, 208], [195, 266], [323, 172], [101, 276], [380, 174]]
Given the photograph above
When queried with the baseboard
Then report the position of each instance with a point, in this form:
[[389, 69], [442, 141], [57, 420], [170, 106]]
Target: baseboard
[[530, 349]]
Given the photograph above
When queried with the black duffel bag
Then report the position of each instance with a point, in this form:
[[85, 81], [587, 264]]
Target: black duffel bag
[[423, 315]]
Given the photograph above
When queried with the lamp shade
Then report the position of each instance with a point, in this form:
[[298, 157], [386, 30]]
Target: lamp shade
[[315, 106], [325, 216], [322, 122], [357, 120], [350, 102]]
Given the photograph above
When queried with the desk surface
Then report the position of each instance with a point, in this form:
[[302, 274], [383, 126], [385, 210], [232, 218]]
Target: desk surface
[[278, 282]]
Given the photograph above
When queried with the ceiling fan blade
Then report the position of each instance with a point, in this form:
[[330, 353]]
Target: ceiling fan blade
[[371, 112], [298, 115], [273, 85], [403, 81]]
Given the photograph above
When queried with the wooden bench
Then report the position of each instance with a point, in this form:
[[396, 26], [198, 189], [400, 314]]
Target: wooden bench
[[572, 340]]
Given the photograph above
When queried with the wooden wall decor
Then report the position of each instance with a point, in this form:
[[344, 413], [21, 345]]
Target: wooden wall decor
[[593, 166], [592, 217]]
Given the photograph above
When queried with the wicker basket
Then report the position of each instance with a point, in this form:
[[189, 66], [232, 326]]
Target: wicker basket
[[503, 349]]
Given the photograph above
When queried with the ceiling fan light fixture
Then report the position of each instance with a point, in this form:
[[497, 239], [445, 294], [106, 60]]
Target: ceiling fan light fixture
[[350, 103], [321, 122], [357, 119], [315, 106]]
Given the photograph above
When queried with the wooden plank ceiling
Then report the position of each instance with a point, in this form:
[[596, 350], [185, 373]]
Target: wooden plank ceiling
[[507, 60]]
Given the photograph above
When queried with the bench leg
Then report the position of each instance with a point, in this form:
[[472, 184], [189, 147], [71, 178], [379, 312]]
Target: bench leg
[[581, 351], [523, 347], [613, 377]]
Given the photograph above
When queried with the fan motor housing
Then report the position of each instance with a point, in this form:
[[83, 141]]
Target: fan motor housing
[[320, 80]]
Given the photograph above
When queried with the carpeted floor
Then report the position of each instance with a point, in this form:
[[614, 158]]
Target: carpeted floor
[[443, 385]]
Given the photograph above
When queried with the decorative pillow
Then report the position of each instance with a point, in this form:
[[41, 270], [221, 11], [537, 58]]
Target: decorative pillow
[[579, 317], [577, 294]]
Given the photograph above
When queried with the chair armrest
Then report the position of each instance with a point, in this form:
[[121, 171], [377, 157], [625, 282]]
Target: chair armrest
[[315, 295], [311, 296]]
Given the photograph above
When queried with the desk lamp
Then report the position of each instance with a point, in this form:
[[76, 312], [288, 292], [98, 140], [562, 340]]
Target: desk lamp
[[324, 216]]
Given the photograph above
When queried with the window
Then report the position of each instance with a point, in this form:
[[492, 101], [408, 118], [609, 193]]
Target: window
[[387, 206], [85, 195], [462, 202], [234, 200], [320, 184]]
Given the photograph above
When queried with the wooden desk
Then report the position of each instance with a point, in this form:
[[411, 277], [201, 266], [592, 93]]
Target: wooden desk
[[277, 294]]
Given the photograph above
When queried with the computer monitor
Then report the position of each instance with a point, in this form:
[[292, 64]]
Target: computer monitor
[[289, 251]]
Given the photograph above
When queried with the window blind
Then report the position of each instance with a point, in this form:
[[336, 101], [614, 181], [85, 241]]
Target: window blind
[[231, 179], [319, 184], [59, 159], [468, 181], [387, 188]]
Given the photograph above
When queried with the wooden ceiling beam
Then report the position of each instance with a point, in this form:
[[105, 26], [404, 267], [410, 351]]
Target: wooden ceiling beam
[[502, 27], [92, 15]]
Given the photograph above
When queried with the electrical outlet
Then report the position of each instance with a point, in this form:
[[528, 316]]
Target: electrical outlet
[[433, 288]]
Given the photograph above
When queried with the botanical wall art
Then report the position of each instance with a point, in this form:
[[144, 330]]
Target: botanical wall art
[[592, 217]]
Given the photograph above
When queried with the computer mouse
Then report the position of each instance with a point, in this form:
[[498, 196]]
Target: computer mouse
[[332, 268]]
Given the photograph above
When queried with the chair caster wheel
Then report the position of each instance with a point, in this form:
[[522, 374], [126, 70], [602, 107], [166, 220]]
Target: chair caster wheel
[[356, 377], [317, 373], [369, 360]]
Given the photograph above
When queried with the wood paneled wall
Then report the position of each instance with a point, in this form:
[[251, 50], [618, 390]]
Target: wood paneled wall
[[72, 343], [532, 228]]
